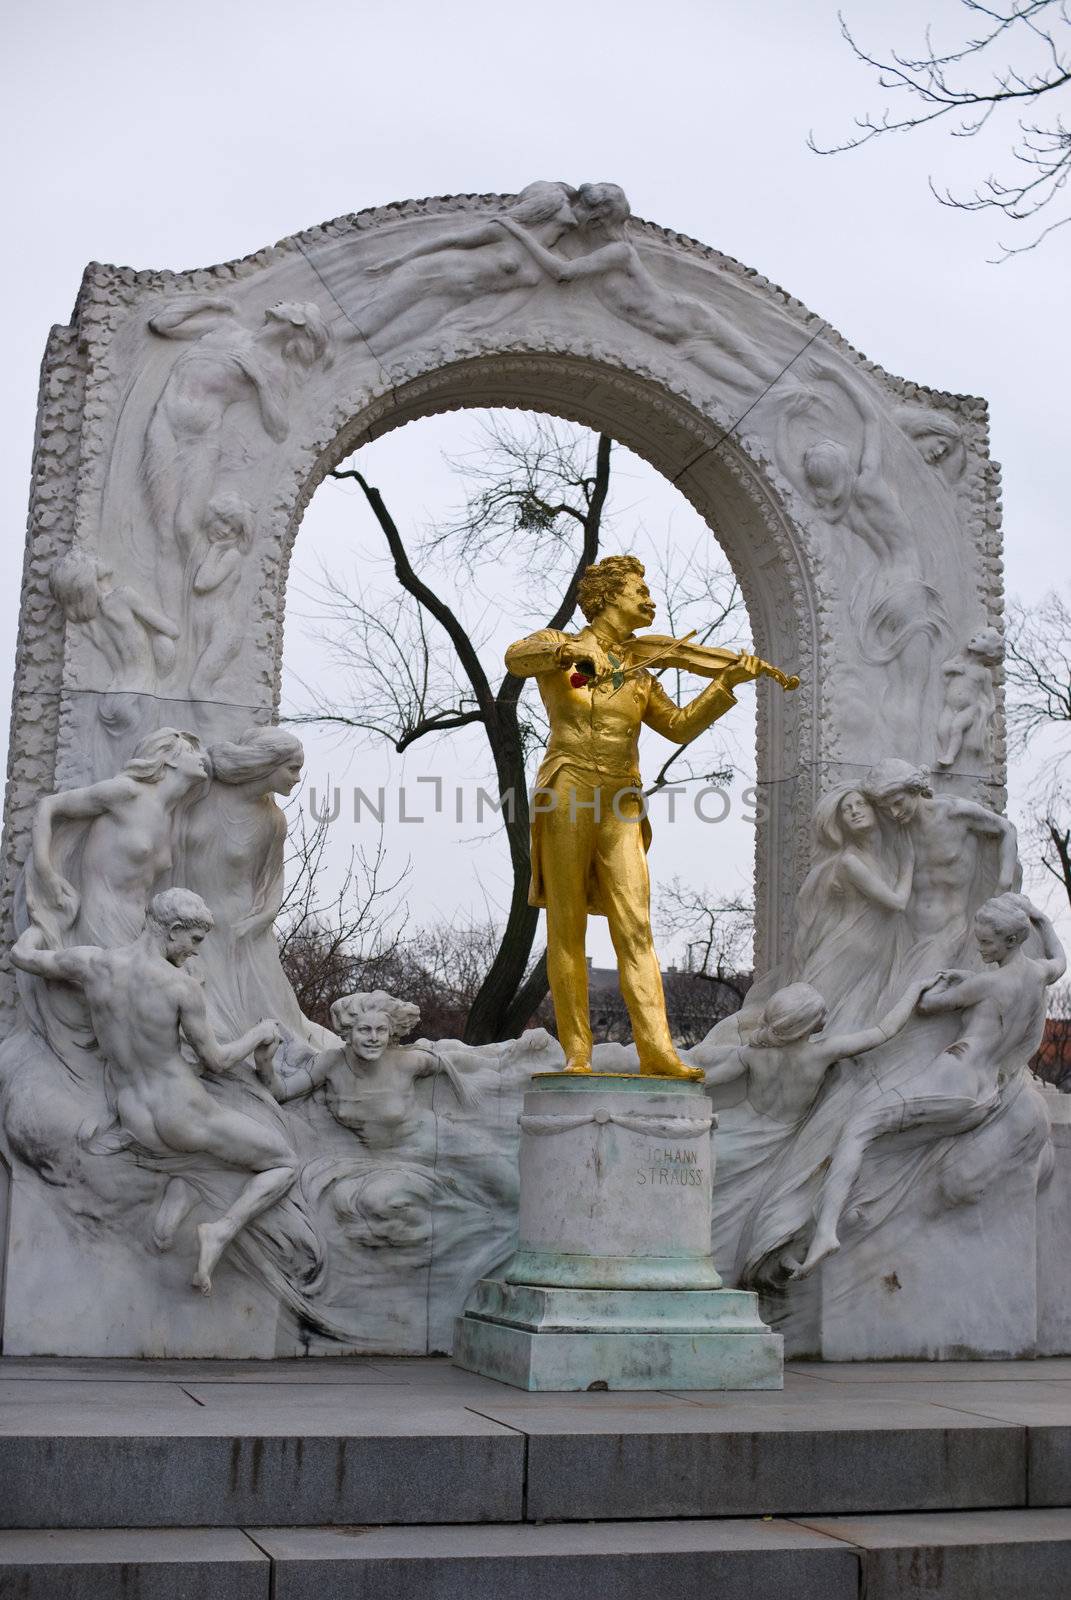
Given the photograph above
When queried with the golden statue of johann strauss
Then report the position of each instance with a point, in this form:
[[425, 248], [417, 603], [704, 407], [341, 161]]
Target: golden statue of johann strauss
[[590, 831]]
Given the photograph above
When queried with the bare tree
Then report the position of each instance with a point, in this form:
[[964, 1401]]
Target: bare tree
[[717, 935], [326, 944], [1015, 62], [1038, 678], [1037, 667], [413, 666], [552, 491]]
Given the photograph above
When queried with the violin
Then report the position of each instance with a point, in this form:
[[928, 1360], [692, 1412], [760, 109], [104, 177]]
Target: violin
[[659, 649]]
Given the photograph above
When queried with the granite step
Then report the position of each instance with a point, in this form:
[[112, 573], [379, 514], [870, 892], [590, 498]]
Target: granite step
[[590, 1465], [125, 1445], [998, 1555], [132, 1564]]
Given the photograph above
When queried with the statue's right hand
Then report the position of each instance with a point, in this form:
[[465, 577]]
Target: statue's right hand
[[584, 646]]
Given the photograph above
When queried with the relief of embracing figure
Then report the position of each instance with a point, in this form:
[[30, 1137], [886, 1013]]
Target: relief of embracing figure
[[898, 875]]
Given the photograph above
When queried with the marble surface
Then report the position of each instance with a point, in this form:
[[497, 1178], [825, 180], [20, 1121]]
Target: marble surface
[[615, 1184], [183, 418]]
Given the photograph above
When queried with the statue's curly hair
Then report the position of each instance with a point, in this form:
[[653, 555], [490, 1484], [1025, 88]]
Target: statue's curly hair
[[601, 582]]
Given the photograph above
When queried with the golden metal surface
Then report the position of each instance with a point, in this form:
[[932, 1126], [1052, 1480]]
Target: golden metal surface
[[590, 831]]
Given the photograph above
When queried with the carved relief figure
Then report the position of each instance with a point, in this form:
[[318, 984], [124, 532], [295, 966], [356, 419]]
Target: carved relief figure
[[98, 852], [937, 438], [590, 831], [621, 282], [899, 617], [946, 835], [1002, 1021], [965, 726], [845, 487], [135, 638], [369, 1081], [783, 1064], [849, 913], [143, 1007], [232, 851], [454, 270], [216, 633], [962, 853], [227, 364]]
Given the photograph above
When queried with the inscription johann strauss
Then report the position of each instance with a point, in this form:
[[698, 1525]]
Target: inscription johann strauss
[[672, 1169]]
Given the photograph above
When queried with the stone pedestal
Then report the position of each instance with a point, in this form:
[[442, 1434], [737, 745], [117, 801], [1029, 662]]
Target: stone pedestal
[[613, 1284]]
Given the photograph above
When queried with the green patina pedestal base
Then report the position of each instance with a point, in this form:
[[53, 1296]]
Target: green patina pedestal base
[[559, 1339], [613, 1285]]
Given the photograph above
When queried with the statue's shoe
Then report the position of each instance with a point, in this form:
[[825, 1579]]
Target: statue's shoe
[[669, 1069], [577, 1066]]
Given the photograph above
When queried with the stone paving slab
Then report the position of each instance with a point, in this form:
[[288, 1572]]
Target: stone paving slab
[[82, 1393], [990, 1555], [1007, 1395], [102, 1369], [932, 1371], [247, 1414], [161, 1564], [629, 1561]]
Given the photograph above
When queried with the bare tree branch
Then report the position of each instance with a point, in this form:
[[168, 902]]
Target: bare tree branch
[[323, 944], [1037, 667], [1037, 33], [718, 936], [1037, 675], [408, 665]]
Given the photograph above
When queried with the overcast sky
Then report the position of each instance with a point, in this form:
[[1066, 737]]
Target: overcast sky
[[162, 136]]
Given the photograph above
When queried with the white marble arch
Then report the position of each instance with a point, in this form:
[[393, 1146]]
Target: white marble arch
[[860, 511]]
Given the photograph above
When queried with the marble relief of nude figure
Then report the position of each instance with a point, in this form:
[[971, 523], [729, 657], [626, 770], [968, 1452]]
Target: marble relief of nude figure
[[143, 1006], [369, 1081]]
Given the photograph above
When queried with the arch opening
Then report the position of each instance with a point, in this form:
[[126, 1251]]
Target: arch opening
[[737, 500]]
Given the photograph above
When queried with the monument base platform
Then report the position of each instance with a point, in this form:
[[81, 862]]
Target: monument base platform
[[554, 1339]]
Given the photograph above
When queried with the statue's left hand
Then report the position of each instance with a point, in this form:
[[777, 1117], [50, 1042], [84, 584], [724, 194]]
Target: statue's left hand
[[742, 670]]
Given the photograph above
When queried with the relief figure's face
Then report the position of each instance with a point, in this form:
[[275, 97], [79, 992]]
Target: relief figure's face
[[993, 945], [856, 813], [901, 805], [369, 1036], [182, 942], [934, 448], [286, 775], [191, 761]]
